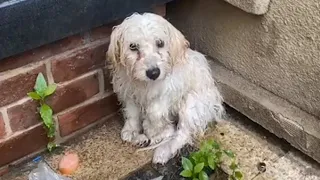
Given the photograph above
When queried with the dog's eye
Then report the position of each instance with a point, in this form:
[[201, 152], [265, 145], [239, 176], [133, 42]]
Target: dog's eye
[[160, 43], [134, 47]]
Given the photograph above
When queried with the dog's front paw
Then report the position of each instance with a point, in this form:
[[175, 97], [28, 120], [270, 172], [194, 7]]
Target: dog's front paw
[[167, 133], [128, 135], [162, 154], [141, 140]]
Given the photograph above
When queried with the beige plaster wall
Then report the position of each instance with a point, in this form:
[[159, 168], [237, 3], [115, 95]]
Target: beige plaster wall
[[279, 51]]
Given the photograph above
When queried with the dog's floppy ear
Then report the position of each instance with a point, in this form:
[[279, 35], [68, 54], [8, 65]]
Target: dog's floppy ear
[[178, 44], [114, 50]]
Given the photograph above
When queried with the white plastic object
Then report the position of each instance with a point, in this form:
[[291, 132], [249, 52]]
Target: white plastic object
[[44, 172]]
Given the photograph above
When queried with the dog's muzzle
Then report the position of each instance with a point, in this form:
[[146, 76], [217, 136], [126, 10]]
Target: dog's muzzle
[[153, 73]]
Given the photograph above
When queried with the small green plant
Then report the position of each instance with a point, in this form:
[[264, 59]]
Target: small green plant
[[208, 159], [41, 91]]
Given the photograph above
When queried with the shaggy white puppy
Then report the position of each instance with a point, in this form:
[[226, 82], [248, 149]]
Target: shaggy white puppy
[[166, 89]]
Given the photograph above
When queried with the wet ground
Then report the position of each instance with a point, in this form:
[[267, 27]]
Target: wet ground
[[103, 156]]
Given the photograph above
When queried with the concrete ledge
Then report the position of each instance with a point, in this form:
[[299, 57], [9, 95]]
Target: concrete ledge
[[278, 116], [257, 7]]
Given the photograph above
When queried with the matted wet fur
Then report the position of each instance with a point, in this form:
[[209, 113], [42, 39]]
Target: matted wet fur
[[156, 77]]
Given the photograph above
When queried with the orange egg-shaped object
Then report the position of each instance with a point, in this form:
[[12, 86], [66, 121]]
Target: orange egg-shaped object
[[69, 163]]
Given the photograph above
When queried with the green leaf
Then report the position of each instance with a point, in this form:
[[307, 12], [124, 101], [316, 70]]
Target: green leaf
[[238, 175], [229, 153], [212, 162], [218, 155], [215, 145], [198, 168], [51, 146], [186, 173], [210, 141], [50, 90], [195, 179], [205, 146], [34, 95], [196, 157], [233, 166], [41, 85], [187, 164], [203, 176], [46, 115]]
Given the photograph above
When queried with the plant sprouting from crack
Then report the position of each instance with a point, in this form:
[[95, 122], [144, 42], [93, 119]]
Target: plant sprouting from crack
[[208, 159], [41, 91]]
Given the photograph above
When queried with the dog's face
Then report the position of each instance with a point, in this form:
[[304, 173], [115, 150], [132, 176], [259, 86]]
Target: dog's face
[[146, 46]]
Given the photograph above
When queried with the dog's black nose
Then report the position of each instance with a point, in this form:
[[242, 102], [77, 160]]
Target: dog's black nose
[[153, 73]]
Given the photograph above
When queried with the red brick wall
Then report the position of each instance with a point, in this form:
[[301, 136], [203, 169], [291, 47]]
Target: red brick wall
[[83, 97]]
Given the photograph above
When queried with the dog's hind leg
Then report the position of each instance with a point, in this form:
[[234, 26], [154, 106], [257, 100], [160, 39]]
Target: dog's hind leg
[[194, 115], [167, 151]]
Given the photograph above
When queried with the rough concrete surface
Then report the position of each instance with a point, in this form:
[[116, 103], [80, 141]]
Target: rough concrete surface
[[252, 145], [278, 51], [257, 7], [273, 113]]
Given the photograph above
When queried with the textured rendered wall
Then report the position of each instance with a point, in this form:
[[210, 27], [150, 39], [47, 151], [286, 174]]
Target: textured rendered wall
[[279, 51], [267, 66]]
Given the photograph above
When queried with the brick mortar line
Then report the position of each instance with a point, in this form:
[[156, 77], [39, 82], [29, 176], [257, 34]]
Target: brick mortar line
[[17, 133], [26, 98], [95, 43], [87, 37], [93, 99], [101, 81], [19, 102], [6, 120], [86, 128], [4, 109], [87, 74], [49, 72], [20, 70], [23, 69], [57, 133], [12, 135]]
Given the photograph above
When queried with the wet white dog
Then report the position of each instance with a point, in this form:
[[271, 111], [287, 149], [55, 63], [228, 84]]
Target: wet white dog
[[166, 89]]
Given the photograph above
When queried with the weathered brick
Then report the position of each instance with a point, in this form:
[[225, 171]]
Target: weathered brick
[[74, 93], [79, 62], [22, 144], [17, 87], [41, 53], [24, 115], [107, 80], [2, 127], [85, 115]]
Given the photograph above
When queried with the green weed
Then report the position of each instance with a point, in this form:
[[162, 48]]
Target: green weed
[[41, 91], [208, 159]]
